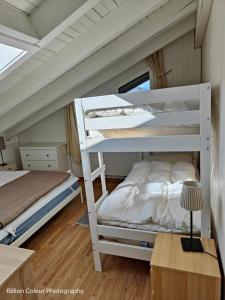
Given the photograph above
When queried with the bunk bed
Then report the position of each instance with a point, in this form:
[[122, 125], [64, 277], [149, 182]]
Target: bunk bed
[[167, 120]]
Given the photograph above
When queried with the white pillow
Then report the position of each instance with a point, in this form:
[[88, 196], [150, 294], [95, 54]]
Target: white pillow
[[142, 165], [160, 166], [160, 171], [172, 156], [183, 171], [161, 176]]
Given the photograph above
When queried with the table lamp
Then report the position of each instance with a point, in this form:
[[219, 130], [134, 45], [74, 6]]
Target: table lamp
[[191, 199], [2, 147]]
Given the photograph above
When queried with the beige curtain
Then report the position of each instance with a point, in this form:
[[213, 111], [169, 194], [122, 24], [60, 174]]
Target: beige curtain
[[155, 63], [73, 147]]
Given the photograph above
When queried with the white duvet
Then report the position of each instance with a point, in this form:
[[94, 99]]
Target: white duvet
[[151, 195]]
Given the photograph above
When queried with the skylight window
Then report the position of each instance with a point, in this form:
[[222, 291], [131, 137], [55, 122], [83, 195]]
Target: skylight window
[[9, 55]]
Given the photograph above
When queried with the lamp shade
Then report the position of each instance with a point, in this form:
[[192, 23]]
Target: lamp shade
[[191, 196], [2, 143]]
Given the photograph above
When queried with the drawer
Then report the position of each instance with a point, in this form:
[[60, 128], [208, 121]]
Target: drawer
[[40, 165], [38, 154], [9, 167]]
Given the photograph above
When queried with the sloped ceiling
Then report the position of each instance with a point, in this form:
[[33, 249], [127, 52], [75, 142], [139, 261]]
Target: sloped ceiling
[[74, 44]]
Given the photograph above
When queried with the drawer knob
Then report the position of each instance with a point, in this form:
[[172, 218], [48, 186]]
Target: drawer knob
[[29, 165], [27, 155], [47, 155], [49, 166]]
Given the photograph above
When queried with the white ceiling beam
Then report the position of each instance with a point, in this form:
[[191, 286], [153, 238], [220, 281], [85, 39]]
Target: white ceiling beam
[[16, 24], [203, 14], [20, 24], [120, 47], [107, 74], [49, 25], [96, 37]]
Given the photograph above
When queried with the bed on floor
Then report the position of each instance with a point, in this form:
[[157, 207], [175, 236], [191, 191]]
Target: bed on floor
[[28, 199], [149, 199]]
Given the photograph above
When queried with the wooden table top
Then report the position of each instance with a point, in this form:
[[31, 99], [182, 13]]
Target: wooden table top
[[12, 259], [168, 253]]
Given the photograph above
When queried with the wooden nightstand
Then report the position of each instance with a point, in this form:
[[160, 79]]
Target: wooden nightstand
[[16, 273], [177, 275], [9, 167]]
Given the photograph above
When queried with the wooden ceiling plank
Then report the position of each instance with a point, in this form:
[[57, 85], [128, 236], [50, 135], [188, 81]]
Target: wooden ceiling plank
[[85, 21], [72, 32], [101, 9], [112, 71], [65, 38], [93, 15], [118, 48], [79, 27], [110, 4]]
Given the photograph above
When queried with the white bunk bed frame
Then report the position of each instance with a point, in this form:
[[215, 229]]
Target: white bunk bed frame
[[172, 143]]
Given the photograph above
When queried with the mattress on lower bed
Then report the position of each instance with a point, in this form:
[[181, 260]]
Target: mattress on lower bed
[[19, 194], [149, 199], [38, 210]]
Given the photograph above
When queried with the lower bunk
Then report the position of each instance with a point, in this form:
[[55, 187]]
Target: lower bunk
[[146, 202]]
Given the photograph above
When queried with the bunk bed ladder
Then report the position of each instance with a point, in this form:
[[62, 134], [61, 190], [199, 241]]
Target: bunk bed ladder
[[89, 177]]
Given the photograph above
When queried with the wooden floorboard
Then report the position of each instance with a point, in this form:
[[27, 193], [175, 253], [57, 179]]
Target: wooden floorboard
[[64, 260]]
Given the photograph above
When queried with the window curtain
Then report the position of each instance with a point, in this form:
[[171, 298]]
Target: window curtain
[[73, 147], [155, 63]]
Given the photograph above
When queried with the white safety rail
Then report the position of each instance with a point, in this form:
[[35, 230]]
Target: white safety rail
[[198, 141]]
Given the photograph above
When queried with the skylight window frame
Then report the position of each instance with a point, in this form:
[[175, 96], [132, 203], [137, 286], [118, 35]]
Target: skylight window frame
[[12, 60], [29, 48]]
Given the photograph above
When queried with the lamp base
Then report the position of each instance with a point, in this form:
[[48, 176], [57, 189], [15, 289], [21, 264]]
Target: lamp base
[[191, 245]]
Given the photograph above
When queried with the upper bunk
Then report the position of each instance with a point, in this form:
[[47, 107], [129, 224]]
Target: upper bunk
[[170, 119]]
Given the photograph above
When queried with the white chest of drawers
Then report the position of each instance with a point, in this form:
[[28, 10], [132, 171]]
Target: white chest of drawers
[[44, 156]]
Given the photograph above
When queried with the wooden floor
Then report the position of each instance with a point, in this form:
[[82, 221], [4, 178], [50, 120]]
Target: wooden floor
[[64, 260]]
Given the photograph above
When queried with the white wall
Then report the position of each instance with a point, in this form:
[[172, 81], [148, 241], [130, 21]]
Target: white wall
[[184, 60], [213, 70], [11, 153], [180, 56], [51, 129]]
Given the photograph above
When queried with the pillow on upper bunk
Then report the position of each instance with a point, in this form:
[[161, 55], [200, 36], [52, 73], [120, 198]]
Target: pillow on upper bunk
[[182, 171], [175, 106], [105, 113]]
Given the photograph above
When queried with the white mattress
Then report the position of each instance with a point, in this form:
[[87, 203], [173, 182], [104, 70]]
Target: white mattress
[[97, 136], [149, 198], [7, 176]]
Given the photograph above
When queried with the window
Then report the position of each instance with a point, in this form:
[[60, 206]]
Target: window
[[8, 56], [140, 84]]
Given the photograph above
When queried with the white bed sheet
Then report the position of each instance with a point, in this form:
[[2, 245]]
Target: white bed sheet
[[7, 176], [140, 109], [149, 198], [11, 227]]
